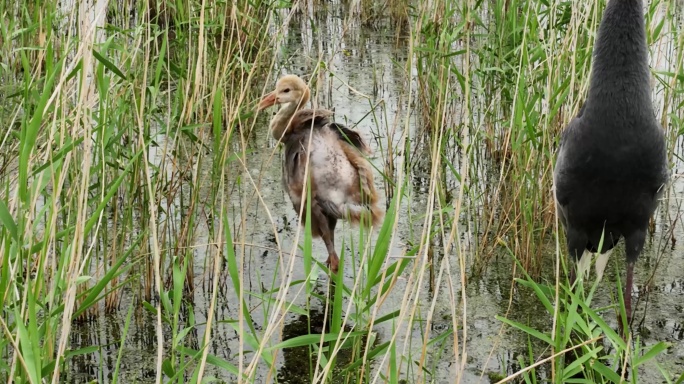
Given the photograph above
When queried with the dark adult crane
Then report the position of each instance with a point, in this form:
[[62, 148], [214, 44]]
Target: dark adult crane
[[612, 164]]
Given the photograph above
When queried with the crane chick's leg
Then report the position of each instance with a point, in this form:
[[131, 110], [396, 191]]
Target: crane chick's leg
[[333, 261], [327, 234]]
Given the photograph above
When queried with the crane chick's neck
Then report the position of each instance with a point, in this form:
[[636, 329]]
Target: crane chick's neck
[[620, 74], [281, 121]]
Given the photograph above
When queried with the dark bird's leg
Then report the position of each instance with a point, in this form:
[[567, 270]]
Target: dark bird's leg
[[573, 274], [628, 291], [634, 243]]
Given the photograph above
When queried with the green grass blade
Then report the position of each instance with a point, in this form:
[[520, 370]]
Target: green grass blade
[[650, 354], [313, 339], [27, 351], [211, 359], [530, 331], [8, 221], [108, 64], [382, 244], [605, 372]]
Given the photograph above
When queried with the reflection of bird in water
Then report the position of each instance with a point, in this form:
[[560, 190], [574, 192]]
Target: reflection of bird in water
[[341, 179], [298, 360], [612, 161]]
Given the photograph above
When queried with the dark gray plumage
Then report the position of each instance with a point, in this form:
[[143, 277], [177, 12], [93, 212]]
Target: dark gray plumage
[[612, 162]]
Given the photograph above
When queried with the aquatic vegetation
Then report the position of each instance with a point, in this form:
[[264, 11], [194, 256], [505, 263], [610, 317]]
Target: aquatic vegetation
[[145, 237]]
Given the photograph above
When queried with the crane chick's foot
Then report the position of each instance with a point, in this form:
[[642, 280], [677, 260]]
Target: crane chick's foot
[[622, 330], [333, 262]]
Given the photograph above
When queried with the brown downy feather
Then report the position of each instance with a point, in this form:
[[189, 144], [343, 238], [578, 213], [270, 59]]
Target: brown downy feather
[[294, 185], [368, 195], [353, 147], [303, 119], [369, 215], [351, 137]]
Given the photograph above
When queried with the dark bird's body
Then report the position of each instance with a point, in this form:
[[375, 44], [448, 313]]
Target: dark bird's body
[[330, 156], [612, 161]]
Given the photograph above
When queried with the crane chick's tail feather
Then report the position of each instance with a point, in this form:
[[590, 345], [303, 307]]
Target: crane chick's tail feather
[[368, 214], [366, 209], [350, 137], [365, 171], [355, 213]]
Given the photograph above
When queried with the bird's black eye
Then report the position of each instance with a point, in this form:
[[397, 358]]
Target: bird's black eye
[[286, 90]]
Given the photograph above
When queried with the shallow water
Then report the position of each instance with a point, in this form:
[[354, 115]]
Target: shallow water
[[368, 67]]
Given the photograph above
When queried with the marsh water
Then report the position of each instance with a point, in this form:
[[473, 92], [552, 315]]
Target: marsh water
[[367, 91]]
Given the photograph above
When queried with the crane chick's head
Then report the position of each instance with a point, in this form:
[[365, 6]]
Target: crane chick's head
[[289, 89]]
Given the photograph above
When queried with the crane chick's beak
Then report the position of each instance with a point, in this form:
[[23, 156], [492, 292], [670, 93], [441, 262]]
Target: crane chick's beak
[[267, 101]]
